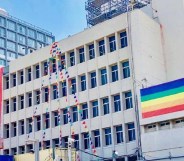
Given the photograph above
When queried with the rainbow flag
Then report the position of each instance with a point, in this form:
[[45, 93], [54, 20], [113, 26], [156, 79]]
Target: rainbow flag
[[162, 99]]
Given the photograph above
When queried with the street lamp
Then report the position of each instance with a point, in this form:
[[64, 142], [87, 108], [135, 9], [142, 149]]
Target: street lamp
[[36, 147]]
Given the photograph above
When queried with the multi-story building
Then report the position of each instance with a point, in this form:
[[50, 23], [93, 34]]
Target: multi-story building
[[102, 76], [18, 38]]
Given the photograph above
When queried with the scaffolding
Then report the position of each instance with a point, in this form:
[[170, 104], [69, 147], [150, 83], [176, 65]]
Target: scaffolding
[[101, 10]]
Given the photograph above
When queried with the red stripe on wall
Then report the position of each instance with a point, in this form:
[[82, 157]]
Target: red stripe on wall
[[163, 111]]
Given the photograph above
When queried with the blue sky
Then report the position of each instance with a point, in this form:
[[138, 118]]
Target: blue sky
[[61, 17]]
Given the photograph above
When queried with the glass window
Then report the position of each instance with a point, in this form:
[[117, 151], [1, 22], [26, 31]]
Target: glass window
[[53, 65], [40, 36], [21, 29], [103, 76], [21, 77], [123, 39], [93, 80], [63, 62], [63, 89], [101, 47], [105, 102], [11, 54], [2, 52], [2, 42], [21, 39], [47, 122], [29, 74], [30, 127], [46, 94], [38, 123], [7, 82], [14, 125], [22, 127], [31, 33], [119, 134], [112, 43], [7, 130], [40, 45], [2, 62], [2, 21], [131, 131], [45, 66], [128, 100], [10, 45], [21, 102], [7, 106], [49, 40], [117, 104], [22, 49], [126, 69], [2, 32], [55, 91], [11, 25], [37, 71], [37, 97], [72, 59], [75, 114], [56, 118], [14, 80], [73, 83], [97, 138], [83, 83], [108, 139], [91, 51], [65, 116], [76, 142], [29, 99], [84, 111], [114, 70], [86, 140], [31, 43], [95, 108], [81, 55], [11, 35]]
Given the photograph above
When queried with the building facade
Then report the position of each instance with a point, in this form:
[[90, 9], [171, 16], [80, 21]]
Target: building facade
[[18, 38], [102, 67]]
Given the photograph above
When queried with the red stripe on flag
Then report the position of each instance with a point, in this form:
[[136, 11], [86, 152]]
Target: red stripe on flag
[[163, 111]]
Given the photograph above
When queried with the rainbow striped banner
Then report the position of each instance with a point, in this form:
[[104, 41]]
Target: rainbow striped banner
[[162, 99]]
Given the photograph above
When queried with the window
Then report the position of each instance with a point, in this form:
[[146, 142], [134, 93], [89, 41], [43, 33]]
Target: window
[[40, 45], [83, 83], [7, 82], [14, 80], [105, 102], [21, 29], [75, 114], [62, 61], [11, 45], [31, 33], [11, 55], [95, 108], [11, 35], [46, 94], [55, 91], [81, 55], [7, 106], [117, 104], [14, 104], [38, 123], [97, 138], [65, 140], [72, 59], [7, 130], [2, 43], [132, 158], [29, 99], [2, 21], [29, 120], [93, 80], [76, 142], [91, 51], [11, 25], [21, 127], [45, 64], [6, 152], [31, 43], [3, 62], [47, 144], [47, 122], [101, 47], [14, 151], [53, 65], [49, 40], [108, 139], [84, 111], [112, 43], [131, 132], [21, 49], [2, 32], [21, 149], [14, 129], [119, 134], [63, 88], [73, 83], [21, 77], [126, 69], [29, 74], [56, 119], [40, 36], [37, 93], [2, 52], [65, 116], [123, 39], [37, 73], [21, 39], [30, 148], [86, 140], [114, 73], [56, 142], [128, 100], [21, 102], [103, 76]]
